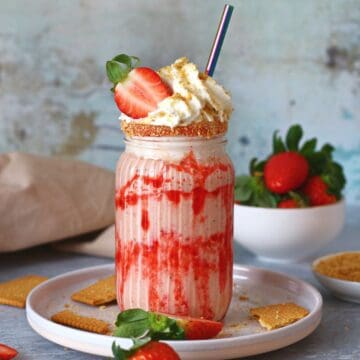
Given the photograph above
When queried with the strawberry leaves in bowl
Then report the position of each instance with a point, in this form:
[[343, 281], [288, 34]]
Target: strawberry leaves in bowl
[[283, 179]]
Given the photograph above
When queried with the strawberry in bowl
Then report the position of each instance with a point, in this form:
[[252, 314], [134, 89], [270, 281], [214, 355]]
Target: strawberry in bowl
[[290, 205]]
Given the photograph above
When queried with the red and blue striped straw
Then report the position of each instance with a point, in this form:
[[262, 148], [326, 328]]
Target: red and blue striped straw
[[219, 39]]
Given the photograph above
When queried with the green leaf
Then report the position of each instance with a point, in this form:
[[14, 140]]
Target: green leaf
[[132, 323], [256, 167], [301, 199], [317, 163], [165, 328], [293, 137], [334, 177], [129, 61], [139, 324], [265, 199], [243, 189], [116, 71], [158, 322], [138, 343], [131, 315], [132, 330], [328, 150], [308, 147], [118, 352], [278, 144]]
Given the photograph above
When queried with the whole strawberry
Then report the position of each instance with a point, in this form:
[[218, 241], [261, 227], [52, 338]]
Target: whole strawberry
[[145, 350], [288, 204], [6, 352], [285, 171], [317, 192], [155, 350]]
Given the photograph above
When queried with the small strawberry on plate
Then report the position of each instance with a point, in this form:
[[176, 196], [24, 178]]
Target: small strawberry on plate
[[137, 90], [152, 350], [6, 352]]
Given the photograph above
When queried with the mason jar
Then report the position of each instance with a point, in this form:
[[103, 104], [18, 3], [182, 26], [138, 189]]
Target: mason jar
[[174, 226]]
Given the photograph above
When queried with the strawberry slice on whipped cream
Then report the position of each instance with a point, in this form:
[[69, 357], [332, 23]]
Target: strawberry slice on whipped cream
[[137, 90]]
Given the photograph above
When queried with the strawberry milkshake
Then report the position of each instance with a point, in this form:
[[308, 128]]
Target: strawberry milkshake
[[174, 191]]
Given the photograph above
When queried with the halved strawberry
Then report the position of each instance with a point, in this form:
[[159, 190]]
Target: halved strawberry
[[198, 329], [137, 91], [6, 352]]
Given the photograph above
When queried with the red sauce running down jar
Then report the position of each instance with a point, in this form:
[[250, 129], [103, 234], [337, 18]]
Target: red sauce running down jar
[[174, 226]]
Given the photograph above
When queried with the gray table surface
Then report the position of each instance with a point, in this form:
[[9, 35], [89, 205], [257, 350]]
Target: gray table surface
[[337, 337]]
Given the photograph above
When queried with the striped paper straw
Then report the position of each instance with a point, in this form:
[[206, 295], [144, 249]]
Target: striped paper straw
[[219, 39]]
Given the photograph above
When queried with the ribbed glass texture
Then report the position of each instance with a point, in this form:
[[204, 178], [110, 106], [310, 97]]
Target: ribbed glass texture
[[174, 226]]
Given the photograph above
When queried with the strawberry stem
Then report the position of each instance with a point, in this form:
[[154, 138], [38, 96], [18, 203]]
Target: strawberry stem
[[118, 68]]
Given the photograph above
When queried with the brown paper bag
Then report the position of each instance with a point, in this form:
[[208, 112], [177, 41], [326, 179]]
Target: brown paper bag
[[46, 199]]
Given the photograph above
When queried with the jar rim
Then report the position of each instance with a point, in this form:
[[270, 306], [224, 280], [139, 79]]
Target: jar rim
[[175, 140]]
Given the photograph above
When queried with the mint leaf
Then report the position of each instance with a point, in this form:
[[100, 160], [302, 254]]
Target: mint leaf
[[139, 324], [132, 330], [278, 144], [138, 343], [293, 137], [131, 315], [132, 323], [118, 352]]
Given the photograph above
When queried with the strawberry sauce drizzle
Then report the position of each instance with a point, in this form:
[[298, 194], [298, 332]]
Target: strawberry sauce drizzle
[[168, 254]]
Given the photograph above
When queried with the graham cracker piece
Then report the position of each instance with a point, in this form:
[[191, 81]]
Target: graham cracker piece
[[278, 315], [69, 318], [100, 293], [14, 292]]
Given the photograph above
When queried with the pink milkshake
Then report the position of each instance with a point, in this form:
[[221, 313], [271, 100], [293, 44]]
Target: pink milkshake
[[174, 197]]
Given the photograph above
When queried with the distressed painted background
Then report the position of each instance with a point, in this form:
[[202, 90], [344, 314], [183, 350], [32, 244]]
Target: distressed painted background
[[285, 61]]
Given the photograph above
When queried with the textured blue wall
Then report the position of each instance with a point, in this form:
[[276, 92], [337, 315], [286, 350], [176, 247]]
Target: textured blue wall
[[284, 61]]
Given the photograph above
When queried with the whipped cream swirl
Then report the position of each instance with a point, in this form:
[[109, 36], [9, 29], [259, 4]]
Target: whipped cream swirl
[[196, 97]]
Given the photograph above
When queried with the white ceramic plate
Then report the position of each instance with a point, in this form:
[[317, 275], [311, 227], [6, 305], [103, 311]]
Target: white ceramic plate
[[241, 335], [343, 289]]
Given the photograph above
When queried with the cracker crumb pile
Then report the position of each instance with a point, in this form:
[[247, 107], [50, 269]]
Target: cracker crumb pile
[[345, 266]]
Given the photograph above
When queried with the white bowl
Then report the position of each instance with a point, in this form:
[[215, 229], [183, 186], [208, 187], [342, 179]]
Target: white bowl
[[287, 235], [343, 289]]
